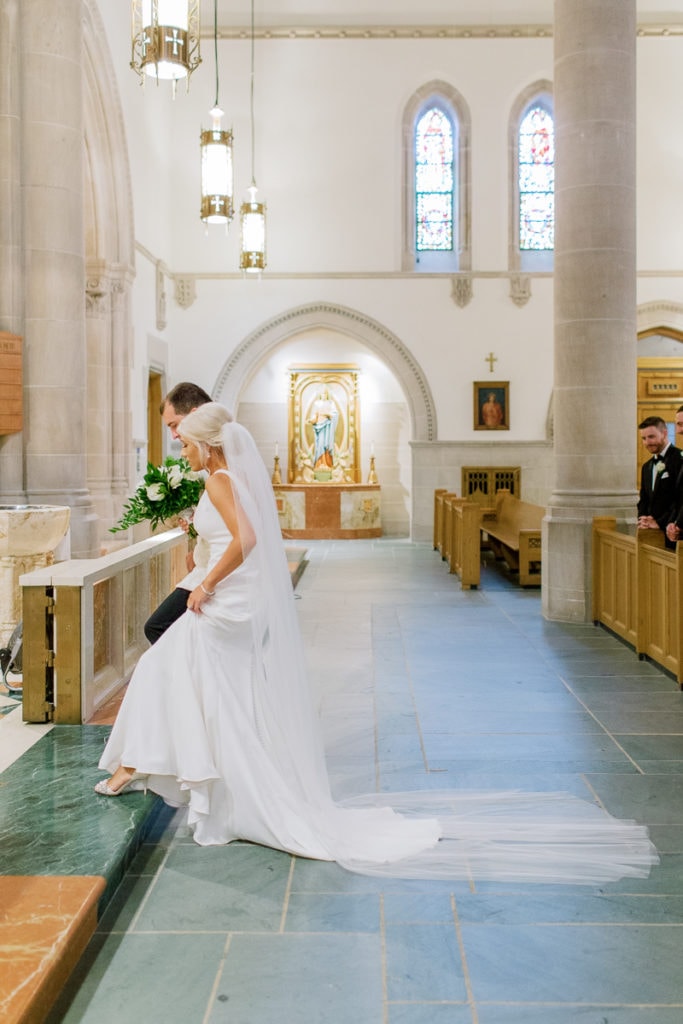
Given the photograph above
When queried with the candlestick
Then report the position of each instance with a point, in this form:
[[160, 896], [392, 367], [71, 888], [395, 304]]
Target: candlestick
[[276, 478]]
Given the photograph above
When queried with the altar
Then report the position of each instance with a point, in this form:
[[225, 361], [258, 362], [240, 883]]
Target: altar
[[329, 511], [324, 498]]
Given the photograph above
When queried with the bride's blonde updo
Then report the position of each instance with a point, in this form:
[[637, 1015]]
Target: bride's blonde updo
[[204, 426]]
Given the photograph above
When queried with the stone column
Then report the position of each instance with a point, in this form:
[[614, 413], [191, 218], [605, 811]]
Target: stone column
[[108, 411], [123, 469], [595, 292], [11, 264], [98, 411], [50, 53]]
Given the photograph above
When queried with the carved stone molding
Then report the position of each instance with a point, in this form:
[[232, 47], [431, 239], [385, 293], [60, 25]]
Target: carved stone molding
[[97, 288], [530, 30], [520, 289], [95, 304], [660, 313], [461, 290], [185, 291]]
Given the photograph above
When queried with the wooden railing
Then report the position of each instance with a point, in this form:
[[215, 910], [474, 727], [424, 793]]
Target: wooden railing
[[83, 625], [638, 592]]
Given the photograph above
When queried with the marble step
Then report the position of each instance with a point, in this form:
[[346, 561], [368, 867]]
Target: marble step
[[46, 922], [64, 851]]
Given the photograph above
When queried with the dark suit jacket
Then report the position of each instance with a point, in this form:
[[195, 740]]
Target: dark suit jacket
[[678, 499], [659, 500]]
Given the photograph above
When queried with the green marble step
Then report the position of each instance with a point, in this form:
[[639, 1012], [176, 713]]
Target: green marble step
[[51, 821]]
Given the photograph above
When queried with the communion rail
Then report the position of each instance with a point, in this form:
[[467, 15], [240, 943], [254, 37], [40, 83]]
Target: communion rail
[[638, 592], [83, 625]]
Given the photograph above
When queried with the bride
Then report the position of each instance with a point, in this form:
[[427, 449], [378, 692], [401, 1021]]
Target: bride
[[218, 716]]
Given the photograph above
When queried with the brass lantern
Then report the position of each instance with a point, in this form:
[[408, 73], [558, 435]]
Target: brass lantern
[[253, 218], [165, 39], [217, 174]]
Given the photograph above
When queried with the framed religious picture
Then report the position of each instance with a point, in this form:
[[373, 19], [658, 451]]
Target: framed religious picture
[[491, 405], [324, 424]]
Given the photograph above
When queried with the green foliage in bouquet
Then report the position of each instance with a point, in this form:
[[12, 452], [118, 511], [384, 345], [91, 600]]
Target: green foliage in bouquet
[[165, 492]]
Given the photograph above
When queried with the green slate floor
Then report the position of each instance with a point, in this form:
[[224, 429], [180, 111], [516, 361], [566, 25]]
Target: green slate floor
[[466, 689]]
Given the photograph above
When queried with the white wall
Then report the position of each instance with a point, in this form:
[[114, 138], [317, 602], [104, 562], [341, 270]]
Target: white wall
[[329, 164]]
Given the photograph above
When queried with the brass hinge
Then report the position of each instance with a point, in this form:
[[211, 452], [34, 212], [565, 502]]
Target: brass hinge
[[49, 604], [50, 659]]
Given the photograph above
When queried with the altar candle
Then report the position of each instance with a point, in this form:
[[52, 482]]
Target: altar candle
[[372, 447], [277, 449]]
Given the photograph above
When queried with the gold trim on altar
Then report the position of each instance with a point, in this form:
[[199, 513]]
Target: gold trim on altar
[[324, 424]]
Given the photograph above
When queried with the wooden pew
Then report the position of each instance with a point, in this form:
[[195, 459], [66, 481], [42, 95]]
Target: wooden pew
[[438, 516], [514, 535], [462, 540], [440, 521]]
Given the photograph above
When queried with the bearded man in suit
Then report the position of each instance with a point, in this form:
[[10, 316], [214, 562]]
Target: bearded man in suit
[[659, 475]]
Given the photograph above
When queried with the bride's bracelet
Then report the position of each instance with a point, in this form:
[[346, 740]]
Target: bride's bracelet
[[209, 593]]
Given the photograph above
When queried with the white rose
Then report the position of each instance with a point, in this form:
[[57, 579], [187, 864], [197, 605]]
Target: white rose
[[175, 476], [155, 492]]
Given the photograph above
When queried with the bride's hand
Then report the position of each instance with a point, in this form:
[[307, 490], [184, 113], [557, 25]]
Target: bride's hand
[[197, 598]]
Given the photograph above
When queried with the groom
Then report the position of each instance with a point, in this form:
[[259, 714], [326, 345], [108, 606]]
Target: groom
[[184, 398]]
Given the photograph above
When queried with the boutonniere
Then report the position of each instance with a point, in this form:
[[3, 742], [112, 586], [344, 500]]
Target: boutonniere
[[660, 468]]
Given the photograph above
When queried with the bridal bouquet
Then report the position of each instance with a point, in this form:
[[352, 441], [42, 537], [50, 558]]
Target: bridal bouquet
[[166, 491]]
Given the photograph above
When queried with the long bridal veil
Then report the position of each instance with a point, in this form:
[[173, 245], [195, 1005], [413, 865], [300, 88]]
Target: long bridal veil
[[448, 834]]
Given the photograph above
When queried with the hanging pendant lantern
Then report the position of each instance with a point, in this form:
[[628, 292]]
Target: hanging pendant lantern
[[217, 174], [165, 39], [253, 213], [253, 218]]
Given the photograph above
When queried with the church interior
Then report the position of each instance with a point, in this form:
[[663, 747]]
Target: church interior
[[515, 305]]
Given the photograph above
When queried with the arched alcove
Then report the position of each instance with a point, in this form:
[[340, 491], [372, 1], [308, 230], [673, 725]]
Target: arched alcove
[[255, 348], [323, 332], [382, 424]]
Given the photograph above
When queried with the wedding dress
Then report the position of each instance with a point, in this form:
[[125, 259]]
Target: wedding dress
[[219, 716]]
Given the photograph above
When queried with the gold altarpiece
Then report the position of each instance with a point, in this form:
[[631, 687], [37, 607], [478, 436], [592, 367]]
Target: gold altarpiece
[[324, 496], [324, 424]]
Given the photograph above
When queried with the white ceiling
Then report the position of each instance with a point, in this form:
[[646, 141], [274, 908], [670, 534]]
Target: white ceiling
[[312, 13]]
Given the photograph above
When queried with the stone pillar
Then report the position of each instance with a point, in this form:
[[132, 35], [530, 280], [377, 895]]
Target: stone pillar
[[595, 292], [11, 262], [123, 469], [108, 412], [98, 411], [50, 54]]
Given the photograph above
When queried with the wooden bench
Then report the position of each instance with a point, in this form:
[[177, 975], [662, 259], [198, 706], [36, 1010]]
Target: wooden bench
[[514, 535], [461, 540], [440, 497]]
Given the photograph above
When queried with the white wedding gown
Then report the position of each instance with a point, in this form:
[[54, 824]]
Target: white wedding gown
[[192, 721], [219, 716]]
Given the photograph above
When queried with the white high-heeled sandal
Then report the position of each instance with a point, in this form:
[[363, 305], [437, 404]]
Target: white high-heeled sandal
[[136, 784]]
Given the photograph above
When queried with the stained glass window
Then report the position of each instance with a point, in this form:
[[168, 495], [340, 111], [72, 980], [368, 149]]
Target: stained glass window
[[434, 181], [537, 180]]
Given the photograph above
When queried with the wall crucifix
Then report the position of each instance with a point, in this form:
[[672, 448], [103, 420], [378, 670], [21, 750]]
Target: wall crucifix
[[490, 359]]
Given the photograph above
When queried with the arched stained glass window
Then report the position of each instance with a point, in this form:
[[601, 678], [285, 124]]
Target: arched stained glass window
[[536, 179], [434, 182]]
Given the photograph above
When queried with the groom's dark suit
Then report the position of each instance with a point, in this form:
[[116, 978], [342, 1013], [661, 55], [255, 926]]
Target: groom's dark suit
[[658, 489]]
